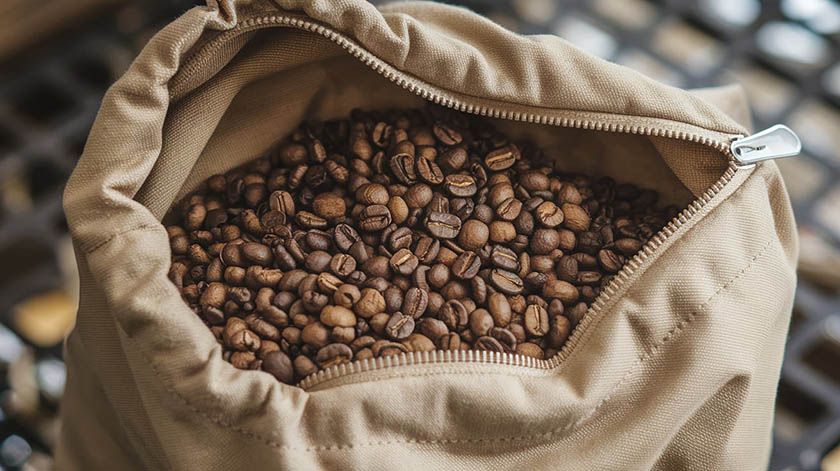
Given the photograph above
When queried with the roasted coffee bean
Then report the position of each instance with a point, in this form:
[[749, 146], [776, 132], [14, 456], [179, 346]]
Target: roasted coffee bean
[[453, 314], [380, 227], [460, 185], [502, 158], [374, 218], [402, 166], [372, 194], [536, 320], [415, 302], [345, 236], [429, 171], [505, 281], [480, 322], [466, 265], [474, 234], [399, 326], [404, 262], [280, 366], [443, 225], [333, 354]]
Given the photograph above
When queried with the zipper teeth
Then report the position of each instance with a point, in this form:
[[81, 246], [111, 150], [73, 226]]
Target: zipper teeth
[[418, 88]]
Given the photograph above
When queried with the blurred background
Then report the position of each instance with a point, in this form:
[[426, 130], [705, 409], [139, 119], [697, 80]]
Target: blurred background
[[57, 57]]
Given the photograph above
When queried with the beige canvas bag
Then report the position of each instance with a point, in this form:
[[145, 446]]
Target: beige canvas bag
[[674, 367]]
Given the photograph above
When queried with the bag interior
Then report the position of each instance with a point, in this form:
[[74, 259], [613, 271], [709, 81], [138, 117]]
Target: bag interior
[[259, 91]]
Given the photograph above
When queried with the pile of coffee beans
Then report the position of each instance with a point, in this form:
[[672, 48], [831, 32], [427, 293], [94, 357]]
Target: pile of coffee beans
[[400, 231]]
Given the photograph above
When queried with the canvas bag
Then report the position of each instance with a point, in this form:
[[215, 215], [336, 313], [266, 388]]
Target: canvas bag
[[674, 367]]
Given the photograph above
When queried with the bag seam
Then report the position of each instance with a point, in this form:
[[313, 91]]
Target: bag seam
[[678, 328]]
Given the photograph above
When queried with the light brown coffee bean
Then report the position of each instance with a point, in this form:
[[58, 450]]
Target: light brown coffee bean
[[333, 354], [474, 235], [576, 218], [502, 158], [536, 320], [337, 316], [399, 326]]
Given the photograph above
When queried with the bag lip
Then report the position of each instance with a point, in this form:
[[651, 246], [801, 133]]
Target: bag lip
[[263, 20]]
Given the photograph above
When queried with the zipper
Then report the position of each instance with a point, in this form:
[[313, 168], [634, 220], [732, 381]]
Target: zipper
[[773, 143], [742, 152]]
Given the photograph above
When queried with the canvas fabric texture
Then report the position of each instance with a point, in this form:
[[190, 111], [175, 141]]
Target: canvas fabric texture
[[678, 370]]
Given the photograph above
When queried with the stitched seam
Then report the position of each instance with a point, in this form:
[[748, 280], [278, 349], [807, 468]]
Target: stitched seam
[[99, 245], [681, 325]]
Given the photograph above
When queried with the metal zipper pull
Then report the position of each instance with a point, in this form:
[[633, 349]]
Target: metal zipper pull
[[772, 143]]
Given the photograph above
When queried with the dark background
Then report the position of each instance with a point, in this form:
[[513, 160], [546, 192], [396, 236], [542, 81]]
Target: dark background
[[57, 57]]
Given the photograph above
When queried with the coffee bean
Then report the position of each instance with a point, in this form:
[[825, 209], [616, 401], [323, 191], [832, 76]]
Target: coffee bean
[[509, 209], [502, 158], [461, 185], [450, 341], [329, 206], [505, 258], [487, 343], [530, 349], [419, 343], [337, 316], [310, 220], [443, 225], [548, 214], [429, 171], [345, 236], [399, 326], [333, 354], [280, 366], [453, 314], [544, 241], [506, 282], [404, 262], [374, 218], [502, 231], [415, 302], [561, 290], [474, 234], [628, 246], [534, 180], [372, 194], [426, 249], [536, 320], [402, 166], [453, 159], [447, 134], [499, 309], [466, 265], [576, 218], [480, 322], [342, 264], [505, 337]]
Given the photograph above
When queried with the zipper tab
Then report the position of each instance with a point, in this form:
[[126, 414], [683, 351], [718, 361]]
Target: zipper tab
[[772, 143]]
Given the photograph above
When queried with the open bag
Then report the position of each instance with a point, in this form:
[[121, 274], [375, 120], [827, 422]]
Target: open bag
[[675, 365]]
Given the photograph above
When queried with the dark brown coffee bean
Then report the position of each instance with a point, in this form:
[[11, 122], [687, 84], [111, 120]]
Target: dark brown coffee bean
[[399, 239], [280, 366], [548, 214], [415, 302], [460, 185], [426, 249], [506, 282], [446, 134], [480, 322], [502, 158], [429, 171], [509, 209], [453, 159], [505, 258], [443, 225], [561, 290], [505, 337], [474, 235], [345, 236], [559, 332], [454, 314], [404, 262], [544, 241], [576, 218], [450, 341], [399, 326], [342, 264], [628, 246], [402, 166], [536, 320], [374, 218], [333, 354], [329, 206], [489, 344], [534, 180], [372, 194], [530, 349], [462, 208], [318, 261], [466, 265], [310, 220], [257, 253]]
